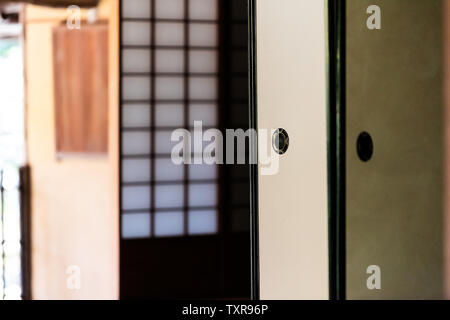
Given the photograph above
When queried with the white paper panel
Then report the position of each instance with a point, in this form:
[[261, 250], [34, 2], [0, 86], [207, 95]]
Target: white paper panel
[[136, 88], [207, 113], [135, 33], [169, 88], [136, 8], [169, 60], [202, 222], [136, 225], [169, 196], [203, 88], [169, 9], [135, 170], [169, 223], [163, 143], [202, 171], [135, 143], [195, 149], [135, 115], [203, 34], [136, 60], [203, 194], [170, 115], [166, 170], [169, 34], [203, 9], [203, 61], [135, 197]]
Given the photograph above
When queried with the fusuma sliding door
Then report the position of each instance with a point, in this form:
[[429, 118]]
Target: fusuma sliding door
[[290, 94], [396, 146]]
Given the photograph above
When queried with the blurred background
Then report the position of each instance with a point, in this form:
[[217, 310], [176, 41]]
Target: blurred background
[[92, 206]]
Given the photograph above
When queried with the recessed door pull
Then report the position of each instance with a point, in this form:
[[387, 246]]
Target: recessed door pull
[[364, 146], [280, 141]]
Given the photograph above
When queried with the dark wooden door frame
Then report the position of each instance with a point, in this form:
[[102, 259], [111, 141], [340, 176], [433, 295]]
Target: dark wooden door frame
[[336, 147], [254, 240]]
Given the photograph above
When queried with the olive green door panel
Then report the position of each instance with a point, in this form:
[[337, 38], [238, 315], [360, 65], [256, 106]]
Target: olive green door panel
[[394, 201]]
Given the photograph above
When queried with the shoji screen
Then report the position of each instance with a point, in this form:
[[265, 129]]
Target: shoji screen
[[184, 228], [169, 79]]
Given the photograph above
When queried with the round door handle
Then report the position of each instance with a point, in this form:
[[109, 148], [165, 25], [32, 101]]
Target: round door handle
[[280, 141], [364, 146]]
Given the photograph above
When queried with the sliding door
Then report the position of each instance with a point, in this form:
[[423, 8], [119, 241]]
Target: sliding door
[[290, 83], [396, 198], [184, 226]]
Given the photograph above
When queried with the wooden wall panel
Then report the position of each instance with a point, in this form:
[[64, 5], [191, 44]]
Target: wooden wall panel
[[81, 88]]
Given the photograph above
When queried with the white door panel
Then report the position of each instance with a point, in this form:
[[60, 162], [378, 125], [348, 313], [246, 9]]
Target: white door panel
[[291, 86]]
